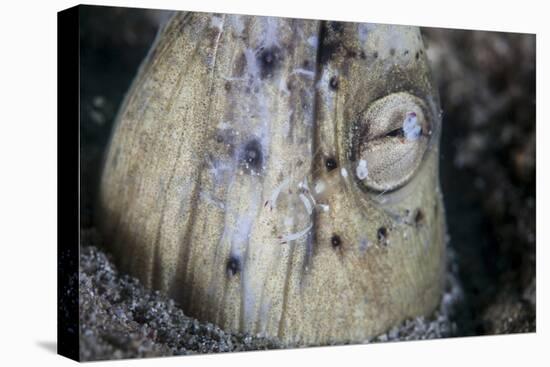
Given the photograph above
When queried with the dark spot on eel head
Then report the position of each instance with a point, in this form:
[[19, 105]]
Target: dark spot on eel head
[[233, 265], [392, 51], [382, 236], [333, 83], [330, 164], [375, 54], [362, 55], [351, 53], [269, 60], [335, 241], [417, 55], [419, 217], [289, 85], [251, 157]]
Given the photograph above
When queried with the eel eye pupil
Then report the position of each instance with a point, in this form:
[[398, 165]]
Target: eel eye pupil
[[396, 133]]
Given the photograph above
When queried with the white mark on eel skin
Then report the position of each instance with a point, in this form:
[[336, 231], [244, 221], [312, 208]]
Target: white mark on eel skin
[[362, 170], [411, 128], [297, 235]]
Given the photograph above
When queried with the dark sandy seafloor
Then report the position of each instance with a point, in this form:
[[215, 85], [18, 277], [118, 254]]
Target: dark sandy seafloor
[[487, 87], [119, 318]]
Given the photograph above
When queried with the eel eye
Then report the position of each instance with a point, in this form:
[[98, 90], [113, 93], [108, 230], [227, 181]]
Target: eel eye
[[394, 134]]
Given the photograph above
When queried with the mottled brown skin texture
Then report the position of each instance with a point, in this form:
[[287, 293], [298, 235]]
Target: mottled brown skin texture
[[231, 183]]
